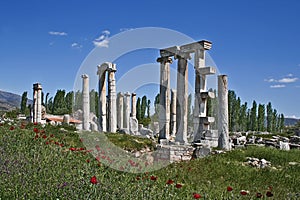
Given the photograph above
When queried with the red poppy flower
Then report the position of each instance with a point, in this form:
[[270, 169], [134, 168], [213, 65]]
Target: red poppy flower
[[178, 185], [61, 144], [44, 136], [259, 195], [72, 149], [244, 192], [153, 178], [94, 180], [35, 123], [81, 149], [12, 128], [36, 130], [47, 142], [196, 196], [170, 182], [51, 135], [98, 158], [229, 189], [97, 147], [87, 160], [42, 131], [269, 194]]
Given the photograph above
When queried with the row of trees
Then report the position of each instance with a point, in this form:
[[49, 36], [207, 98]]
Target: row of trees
[[259, 117]]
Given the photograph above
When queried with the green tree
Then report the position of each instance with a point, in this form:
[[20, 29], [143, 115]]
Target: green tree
[[78, 100], [231, 105], [138, 109], [253, 117], [46, 102], [24, 103], [243, 117], [281, 123], [69, 99], [269, 117], [148, 108], [261, 118], [274, 121], [143, 107], [59, 104]]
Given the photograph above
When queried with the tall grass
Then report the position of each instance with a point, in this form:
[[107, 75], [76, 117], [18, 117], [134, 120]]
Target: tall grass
[[51, 163]]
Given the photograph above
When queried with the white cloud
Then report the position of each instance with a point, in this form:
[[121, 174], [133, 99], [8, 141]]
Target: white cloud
[[277, 86], [290, 75], [292, 116], [270, 80], [102, 40], [57, 33], [287, 80], [125, 29], [76, 45]]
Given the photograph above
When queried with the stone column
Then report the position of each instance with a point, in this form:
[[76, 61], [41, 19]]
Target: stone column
[[133, 105], [223, 141], [85, 102], [126, 110], [164, 98], [112, 103], [120, 99], [102, 98], [173, 113], [182, 99], [37, 103]]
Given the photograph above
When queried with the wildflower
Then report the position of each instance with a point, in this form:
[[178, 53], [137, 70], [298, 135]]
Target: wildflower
[[196, 196], [35, 123], [229, 189], [94, 180], [51, 135], [44, 136], [178, 185], [259, 195], [269, 194], [170, 182], [153, 178], [72, 149], [87, 160], [97, 147], [12, 128], [244, 192], [47, 142], [36, 130]]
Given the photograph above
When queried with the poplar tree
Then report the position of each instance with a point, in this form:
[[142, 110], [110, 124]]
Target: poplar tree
[[261, 118]]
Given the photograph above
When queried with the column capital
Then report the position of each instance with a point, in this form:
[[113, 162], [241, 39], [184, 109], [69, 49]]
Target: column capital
[[84, 76], [127, 94], [164, 60], [37, 86], [133, 94]]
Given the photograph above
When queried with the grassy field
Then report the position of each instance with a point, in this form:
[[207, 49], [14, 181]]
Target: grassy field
[[53, 163]]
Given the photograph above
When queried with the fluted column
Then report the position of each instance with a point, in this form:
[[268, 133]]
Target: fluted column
[[37, 104], [112, 103], [85, 102], [182, 99], [120, 99], [126, 110], [133, 105], [164, 98], [223, 141], [102, 97], [173, 113]]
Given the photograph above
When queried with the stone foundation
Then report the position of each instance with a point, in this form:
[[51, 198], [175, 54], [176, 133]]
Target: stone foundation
[[173, 153]]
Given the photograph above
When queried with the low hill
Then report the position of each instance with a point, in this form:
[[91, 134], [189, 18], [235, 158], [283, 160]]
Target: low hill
[[10, 101]]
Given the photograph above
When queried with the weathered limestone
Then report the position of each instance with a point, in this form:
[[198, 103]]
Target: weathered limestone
[[201, 125], [102, 97], [133, 105], [120, 99], [112, 101], [37, 103], [223, 142], [66, 119], [164, 98], [85, 102], [126, 110], [107, 121], [182, 99], [173, 113]]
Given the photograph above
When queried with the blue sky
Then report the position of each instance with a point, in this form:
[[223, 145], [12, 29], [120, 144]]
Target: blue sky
[[256, 43]]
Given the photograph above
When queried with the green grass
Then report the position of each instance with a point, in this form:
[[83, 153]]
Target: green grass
[[57, 165]]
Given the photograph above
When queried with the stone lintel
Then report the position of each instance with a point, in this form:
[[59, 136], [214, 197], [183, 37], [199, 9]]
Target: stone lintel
[[169, 52], [206, 70], [192, 47], [205, 95], [207, 120]]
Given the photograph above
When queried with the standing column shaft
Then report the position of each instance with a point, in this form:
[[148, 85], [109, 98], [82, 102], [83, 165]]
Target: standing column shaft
[[223, 141], [120, 99], [37, 104], [164, 98], [133, 105], [102, 99], [173, 113], [86, 102], [112, 107], [182, 100], [126, 110]]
